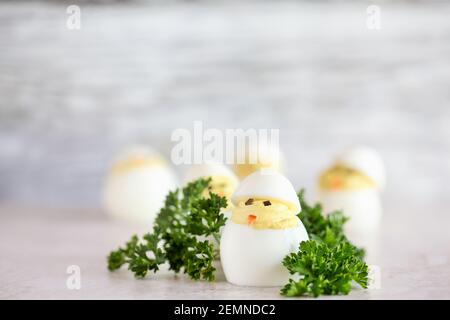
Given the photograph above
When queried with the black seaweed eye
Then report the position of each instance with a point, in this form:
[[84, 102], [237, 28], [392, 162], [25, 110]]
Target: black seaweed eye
[[249, 202], [267, 203]]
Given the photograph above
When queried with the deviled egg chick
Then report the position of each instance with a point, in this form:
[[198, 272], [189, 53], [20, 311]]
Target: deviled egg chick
[[367, 160], [352, 184], [223, 181], [263, 229], [259, 156], [137, 184]]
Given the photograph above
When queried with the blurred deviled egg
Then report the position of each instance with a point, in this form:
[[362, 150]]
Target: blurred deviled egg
[[353, 184], [137, 184], [223, 181], [263, 229], [258, 156]]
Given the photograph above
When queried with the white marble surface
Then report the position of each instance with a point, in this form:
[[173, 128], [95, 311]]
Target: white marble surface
[[37, 246]]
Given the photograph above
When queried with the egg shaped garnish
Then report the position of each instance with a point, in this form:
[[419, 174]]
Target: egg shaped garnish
[[366, 161], [137, 184], [223, 180]]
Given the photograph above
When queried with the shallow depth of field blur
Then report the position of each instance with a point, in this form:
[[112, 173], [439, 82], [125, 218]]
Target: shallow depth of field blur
[[137, 70]]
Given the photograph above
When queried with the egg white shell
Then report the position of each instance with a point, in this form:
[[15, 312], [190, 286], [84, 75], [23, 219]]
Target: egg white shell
[[252, 257], [213, 240], [137, 195], [209, 170], [266, 183], [367, 161], [363, 207], [136, 150], [268, 155]]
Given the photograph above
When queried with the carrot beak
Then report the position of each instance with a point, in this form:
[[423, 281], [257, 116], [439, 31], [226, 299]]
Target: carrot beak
[[251, 219], [336, 183]]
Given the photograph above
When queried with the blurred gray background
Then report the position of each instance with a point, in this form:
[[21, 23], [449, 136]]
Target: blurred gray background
[[136, 70]]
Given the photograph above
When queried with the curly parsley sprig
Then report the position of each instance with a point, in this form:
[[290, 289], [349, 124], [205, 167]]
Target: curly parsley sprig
[[328, 263], [324, 269], [183, 232], [180, 236]]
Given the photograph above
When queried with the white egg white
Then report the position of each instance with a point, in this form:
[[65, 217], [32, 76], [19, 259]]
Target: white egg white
[[138, 194], [209, 170], [268, 184], [252, 257], [257, 156], [367, 161], [363, 207]]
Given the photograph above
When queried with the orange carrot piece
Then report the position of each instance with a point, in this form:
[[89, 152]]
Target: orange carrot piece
[[251, 218]]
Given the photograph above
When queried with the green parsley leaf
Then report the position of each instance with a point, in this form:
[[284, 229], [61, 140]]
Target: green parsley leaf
[[324, 269], [328, 263], [328, 229], [182, 236]]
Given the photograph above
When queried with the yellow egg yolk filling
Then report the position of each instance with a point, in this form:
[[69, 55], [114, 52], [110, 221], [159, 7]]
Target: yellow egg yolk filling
[[222, 186], [264, 214], [136, 162], [339, 177]]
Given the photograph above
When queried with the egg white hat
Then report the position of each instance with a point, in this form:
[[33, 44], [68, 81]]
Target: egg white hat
[[210, 169], [267, 184], [365, 160], [267, 154], [137, 150]]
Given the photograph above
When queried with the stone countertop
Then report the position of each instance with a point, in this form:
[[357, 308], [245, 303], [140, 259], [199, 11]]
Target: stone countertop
[[37, 246]]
